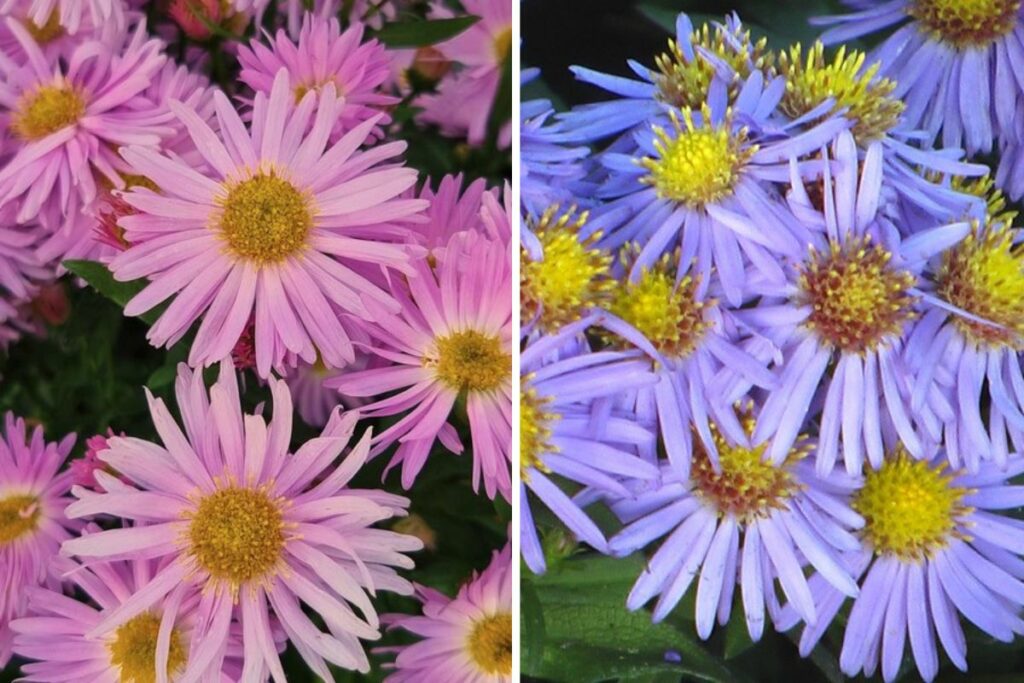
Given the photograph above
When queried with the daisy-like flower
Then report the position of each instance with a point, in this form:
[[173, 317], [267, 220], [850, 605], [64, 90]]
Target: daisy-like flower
[[314, 401], [702, 362], [68, 122], [956, 64], [936, 546], [462, 105], [69, 15], [451, 209], [55, 632], [266, 229], [860, 95], [703, 179], [570, 427], [466, 639], [256, 530], [983, 276], [324, 54], [451, 342], [33, 497], [850, 302], [723, 54], [747, 522]]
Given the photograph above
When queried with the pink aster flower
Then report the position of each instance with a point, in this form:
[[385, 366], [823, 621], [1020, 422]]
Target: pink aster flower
[[70, 15], [451, 210], [33, 497], [256, 530], [467, 639], [462, 105], [267, 228], [324, 54], [451, 340], [55, 632], [68, 122], [83, 470]]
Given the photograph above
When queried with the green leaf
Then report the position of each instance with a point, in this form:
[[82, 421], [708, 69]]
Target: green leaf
[[97, 275], [591, 636], [737, 637], [531, 627], [421, 33]]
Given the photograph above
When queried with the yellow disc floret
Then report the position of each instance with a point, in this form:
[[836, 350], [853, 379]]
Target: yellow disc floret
[[133, 650], [697, 165], [19, 515], [747, 486], [965, 23], [684, 83], [265, 218], [866, 99], [984, 275], [490, 644], [46, 110], [572, 274], [857, 298], [910, 508], [667, 313], [503, 44], [237, 534], [471, 361], [48, 31], [534, 431]]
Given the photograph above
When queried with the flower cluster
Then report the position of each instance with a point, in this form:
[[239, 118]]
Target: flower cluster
[[240, 175], [772, 320]]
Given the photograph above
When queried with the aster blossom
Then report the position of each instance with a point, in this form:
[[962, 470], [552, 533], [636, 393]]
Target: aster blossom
[[465, 638], [452, 341], [936, 545], [255, 529], [33, 498], [265, 231]]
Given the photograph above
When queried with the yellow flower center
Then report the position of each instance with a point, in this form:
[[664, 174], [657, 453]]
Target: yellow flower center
[[503, 44], [667, 314], [19, 515], [490, 644], [685, 84], [471, 361], [697, 166], [46, 110], [748, 486], [857, 298], [265, 218], [810, 80], [237, 534], [133, 650], [984, 275], [966, 23], [49, 31], [534, 432], [910, 509], [572, 275]]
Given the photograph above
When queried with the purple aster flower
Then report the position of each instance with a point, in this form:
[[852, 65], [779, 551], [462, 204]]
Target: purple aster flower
[[849, 303], [957, 65], [703, 362], [569, 427], [739, 519], [936, 546], [33, 497]]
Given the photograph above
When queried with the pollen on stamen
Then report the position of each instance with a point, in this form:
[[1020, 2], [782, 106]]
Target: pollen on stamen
[[866, 99], [667, 313], [133, 650], [984, 275], [572, 275], [697, 165], [46, 110], [264, 218], [19, 516], [684, 84], [965, 24], [490, 644], [857, 298], [910, 508], [471, 361], [535, 423], [46, 32], [746, 485]]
